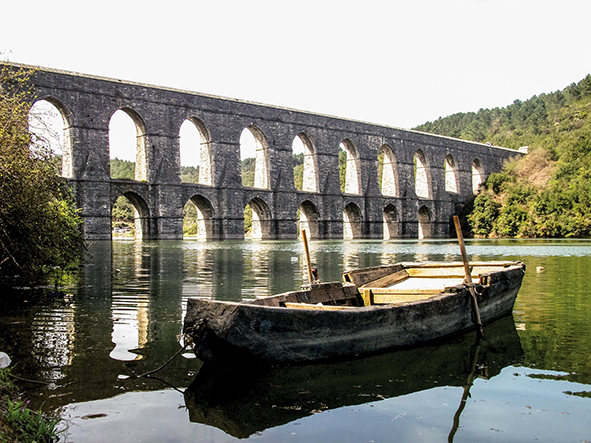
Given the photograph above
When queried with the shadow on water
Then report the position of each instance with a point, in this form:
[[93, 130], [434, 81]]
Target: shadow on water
[[246, 400]]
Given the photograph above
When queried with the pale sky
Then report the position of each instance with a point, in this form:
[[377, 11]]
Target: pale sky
[[398, 63]]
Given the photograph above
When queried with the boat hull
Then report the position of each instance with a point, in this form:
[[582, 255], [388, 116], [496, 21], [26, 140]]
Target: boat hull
[[247, 399], [233, 331]]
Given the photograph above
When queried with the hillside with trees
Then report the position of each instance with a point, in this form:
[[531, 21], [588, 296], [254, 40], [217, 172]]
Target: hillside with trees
[[547, 193]]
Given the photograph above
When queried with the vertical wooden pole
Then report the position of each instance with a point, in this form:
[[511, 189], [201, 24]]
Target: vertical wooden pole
[[468, 274], [307, 251]]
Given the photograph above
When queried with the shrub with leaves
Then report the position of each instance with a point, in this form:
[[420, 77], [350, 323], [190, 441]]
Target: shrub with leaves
[[39, 223]]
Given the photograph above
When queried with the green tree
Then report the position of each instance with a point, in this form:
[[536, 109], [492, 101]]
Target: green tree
[[122, 169], [298, 171], [248, 170], [190, 226], [39, 224], [343, 169], [190, 174], [123, 213]]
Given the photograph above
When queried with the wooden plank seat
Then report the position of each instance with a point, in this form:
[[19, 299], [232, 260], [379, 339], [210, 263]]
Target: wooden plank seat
[[378, 296], [317, 306]]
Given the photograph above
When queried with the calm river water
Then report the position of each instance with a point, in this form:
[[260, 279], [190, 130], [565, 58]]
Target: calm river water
[[528, 380]]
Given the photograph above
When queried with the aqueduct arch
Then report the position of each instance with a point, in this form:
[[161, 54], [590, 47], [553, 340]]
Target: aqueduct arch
[[422, 175], [351, 178], [197, 146], [477, 175], [204, 217], [451, 174], [352, 220], [390, 222], [142, 160], [389, 172], [261, 219], [308, 219], [141, 216]]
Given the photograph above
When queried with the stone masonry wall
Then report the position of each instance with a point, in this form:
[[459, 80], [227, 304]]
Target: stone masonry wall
[[87, 104]]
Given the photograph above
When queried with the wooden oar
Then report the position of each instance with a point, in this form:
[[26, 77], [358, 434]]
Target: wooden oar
[[307, 251], [468, 278]]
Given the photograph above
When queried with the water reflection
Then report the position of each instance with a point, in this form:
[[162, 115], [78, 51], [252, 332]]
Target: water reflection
[[53, 340], [127, 310], [130, 326], [246, 400]]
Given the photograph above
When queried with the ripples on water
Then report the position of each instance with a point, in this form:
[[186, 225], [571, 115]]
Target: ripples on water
[[126, 312]]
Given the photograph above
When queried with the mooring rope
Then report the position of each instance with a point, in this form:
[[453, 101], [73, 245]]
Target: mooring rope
[[187, 342]]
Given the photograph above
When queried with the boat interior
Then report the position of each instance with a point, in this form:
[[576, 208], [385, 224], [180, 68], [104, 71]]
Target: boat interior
[[394, 284]]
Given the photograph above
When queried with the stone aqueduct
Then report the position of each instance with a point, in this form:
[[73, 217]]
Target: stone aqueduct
[[423, 177]]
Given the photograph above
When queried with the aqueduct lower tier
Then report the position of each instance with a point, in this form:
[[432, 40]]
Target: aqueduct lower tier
[[412, 191]]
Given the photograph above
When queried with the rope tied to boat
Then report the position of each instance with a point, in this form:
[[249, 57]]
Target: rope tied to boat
[[473, 292], [477, 288], [186, 342], [195, 332]]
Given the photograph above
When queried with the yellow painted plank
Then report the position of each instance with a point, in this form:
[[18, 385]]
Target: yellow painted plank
[[399, 298], [316, 307], [450, 271], [395, 291]]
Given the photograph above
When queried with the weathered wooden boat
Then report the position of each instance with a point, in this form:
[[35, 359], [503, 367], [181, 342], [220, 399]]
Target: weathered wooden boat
[[373, 310]]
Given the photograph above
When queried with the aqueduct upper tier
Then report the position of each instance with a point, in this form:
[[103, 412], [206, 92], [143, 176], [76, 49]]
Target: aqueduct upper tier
[[399, 183]]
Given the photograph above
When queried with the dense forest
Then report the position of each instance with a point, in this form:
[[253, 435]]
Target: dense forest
[[547, 193]]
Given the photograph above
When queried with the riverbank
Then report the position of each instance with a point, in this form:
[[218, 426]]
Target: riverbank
[[18, 422]]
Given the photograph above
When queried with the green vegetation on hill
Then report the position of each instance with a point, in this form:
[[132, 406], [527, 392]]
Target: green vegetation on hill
[[122, 169], [248, 167], [190, 174], [547, 193], [298, 171]]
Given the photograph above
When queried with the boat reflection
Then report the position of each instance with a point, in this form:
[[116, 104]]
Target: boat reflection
[[246, 400]]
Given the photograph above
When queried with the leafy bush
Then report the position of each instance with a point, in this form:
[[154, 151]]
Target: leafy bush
[[39, 223], [18, 422]]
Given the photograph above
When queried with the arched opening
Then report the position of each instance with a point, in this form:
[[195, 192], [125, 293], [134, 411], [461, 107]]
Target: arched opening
[[253, 155], [390, 222], [387, 172], [421, 175], [130, 217], [127, 146], [194, 143], [451, 174], [308, 219], [351, 222], [197, 218], [477, 175], [259, 226], [424, 222], [122, 218], [348, 171], [304, 167], [48, 123]]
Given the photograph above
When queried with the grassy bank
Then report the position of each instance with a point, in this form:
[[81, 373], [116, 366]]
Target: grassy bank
[[20, 424]]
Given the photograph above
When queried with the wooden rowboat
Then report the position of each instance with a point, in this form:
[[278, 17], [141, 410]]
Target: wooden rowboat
[[373, 310]]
